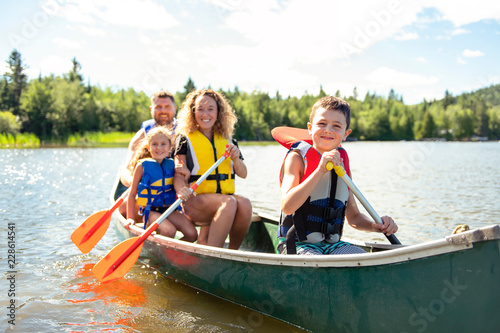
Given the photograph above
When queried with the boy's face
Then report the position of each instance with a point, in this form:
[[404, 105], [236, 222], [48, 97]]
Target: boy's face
[[328, 129]]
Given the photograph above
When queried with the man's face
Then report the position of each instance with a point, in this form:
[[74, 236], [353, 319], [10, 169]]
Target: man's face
[[163, 111]]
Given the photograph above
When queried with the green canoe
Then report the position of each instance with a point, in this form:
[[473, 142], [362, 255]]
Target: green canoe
[[447, 285]]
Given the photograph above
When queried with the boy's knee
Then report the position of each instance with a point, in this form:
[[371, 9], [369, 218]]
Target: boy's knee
[[191, 236]]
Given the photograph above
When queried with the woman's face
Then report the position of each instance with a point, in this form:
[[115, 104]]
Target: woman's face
[[205, 113]]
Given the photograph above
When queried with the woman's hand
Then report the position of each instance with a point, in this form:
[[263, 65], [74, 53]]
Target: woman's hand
[[234, 152], [185, 193]]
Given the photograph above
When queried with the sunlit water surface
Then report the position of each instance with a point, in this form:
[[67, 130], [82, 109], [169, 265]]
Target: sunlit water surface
[[428, 188]]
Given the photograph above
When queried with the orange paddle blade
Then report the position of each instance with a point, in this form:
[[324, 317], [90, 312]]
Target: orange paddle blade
[[119, 260], [287, 136], [90, 232]]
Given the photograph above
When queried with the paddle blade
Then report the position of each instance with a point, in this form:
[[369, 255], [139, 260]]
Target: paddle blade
[[90, 232], [287, 136], [109, 268]]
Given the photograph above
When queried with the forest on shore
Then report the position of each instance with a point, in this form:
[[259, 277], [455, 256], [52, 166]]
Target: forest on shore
[[54, 109]]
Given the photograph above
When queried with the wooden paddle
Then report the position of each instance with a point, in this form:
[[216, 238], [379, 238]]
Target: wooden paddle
[[90, 232], [123, 256]]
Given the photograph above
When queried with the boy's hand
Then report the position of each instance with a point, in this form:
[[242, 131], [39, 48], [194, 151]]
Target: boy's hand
[[330, 156], [389, 227]]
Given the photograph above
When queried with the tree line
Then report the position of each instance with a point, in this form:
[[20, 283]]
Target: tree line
[[55, 107]]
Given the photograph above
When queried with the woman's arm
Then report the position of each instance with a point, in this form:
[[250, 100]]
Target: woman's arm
[[239, 166], [181, 178]]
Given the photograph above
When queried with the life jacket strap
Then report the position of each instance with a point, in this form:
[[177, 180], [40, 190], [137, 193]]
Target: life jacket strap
[[217, 177], [328, 213]]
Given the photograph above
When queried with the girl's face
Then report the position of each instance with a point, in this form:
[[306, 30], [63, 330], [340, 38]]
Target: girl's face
[[328, 129], [205, 113], [159, 147]]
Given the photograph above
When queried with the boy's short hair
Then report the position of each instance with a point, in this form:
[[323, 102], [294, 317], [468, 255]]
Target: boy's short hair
[[332, 103], [162, 94]]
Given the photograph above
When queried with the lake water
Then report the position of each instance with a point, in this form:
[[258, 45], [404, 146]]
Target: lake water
[[427, 187]]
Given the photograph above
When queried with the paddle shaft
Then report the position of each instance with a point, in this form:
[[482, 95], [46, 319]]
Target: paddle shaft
[[339, 170], [102, 220], [162, 217]]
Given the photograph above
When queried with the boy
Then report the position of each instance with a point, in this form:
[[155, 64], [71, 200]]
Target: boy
[[314, 201]]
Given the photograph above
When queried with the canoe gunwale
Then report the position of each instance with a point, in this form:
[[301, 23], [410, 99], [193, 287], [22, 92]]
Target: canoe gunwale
[[448, 244]]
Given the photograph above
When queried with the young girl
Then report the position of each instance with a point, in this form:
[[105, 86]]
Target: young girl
[[152, 186], [206, 125]]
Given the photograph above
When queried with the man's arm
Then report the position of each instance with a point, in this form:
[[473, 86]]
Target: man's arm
[[125, 173]]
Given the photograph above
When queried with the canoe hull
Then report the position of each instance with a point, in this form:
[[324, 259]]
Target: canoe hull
[[455, 291], [450, 285]]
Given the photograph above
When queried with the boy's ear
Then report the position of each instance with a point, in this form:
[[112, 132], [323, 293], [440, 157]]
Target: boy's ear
[[346, 134], [309, 127]]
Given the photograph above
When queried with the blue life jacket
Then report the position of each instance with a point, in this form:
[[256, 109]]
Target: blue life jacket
[[156, 186]]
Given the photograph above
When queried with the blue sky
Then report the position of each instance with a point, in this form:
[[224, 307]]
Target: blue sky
[[418, 48]]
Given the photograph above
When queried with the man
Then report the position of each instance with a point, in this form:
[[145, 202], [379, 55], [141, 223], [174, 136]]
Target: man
[[163, 111]]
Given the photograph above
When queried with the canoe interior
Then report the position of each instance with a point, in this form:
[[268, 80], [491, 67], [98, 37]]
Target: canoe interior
[[261, 236]]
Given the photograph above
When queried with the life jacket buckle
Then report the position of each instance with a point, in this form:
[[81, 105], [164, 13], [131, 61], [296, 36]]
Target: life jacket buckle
[[330, 213], [331, 228], [222, 176]]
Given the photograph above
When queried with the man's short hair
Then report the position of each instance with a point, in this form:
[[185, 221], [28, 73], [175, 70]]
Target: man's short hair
[[162, 94]]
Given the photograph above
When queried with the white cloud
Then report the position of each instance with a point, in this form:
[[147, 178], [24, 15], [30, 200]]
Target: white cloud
[[461, 13], [459, 31], [54, 65], [145, 14], [472, 54], [91, 31], [406, 36], [4, 68], [394, 78], [65, 43], [461, 61], [284, 28], [421, 59]]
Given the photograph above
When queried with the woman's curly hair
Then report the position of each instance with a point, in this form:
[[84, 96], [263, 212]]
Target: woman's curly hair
[[226, 119]]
